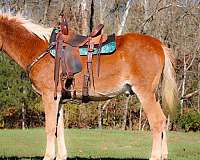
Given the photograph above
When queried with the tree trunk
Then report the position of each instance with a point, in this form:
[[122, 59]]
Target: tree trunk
[[168, 122], [143, 126], [198, 105], [47, 4], [84, 15], [99, 115], [125, 113], [183, 83], [34, 9], [140, 119], [23, 117], [130, 119], [146, 14], [101, 12], [54, 9], [100, 112], [122, 25]]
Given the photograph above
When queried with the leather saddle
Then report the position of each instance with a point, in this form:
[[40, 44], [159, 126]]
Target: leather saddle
[[76, 40], [67, 57]]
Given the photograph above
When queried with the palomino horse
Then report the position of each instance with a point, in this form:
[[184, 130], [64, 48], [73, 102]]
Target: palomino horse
[[139, 62]]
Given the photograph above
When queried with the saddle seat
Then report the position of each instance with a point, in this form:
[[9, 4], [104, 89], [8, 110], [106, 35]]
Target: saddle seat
[[77, 40]]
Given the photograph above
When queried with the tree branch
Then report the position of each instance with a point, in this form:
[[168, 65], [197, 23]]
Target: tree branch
[[156, 10], [128, 5], [191, 94]]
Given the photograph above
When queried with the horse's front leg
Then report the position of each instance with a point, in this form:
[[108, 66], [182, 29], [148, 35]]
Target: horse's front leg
[[51, 109], [62, 152], [164, 146]]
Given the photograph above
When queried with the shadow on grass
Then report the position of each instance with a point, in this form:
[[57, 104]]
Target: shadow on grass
[[75, 158]]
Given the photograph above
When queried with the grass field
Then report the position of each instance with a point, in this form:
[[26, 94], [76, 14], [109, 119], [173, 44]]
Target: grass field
[[96, 144]]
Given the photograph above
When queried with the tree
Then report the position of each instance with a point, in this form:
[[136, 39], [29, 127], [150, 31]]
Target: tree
[[15, 87]]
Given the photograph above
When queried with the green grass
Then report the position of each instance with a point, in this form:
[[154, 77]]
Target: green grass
[[99, 143]]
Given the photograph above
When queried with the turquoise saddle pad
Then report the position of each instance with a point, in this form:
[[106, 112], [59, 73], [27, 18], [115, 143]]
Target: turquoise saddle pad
[[108, 47], [105, 49]]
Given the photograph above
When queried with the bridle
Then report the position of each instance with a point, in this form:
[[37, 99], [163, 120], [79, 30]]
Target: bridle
[[29, 67], [35, 60]]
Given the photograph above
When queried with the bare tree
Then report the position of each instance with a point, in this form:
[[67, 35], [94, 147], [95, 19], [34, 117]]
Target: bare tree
[[125, 113], [140, 119], [100, 115], [47, 4], [23, 117], [124, 18], [101, 109], [198, 103], [84, 15]]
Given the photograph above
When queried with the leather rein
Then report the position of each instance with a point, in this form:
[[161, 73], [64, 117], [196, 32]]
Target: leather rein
[[35, 60]]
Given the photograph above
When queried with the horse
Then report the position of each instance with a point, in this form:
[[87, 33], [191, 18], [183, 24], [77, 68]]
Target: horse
[[140, 61]]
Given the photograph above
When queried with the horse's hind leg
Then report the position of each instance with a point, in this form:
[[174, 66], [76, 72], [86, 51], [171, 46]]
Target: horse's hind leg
[[157, 121], [51, 109]]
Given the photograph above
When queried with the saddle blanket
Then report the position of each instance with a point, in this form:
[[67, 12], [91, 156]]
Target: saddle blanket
[[107, 47]]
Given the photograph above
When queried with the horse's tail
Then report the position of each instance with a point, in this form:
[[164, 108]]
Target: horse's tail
[[169, 86]]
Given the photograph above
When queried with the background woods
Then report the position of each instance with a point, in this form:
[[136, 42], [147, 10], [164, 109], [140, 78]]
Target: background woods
[[174, 22]]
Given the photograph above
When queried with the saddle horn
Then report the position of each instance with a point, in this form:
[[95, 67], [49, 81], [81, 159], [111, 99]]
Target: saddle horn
[[64, 24]]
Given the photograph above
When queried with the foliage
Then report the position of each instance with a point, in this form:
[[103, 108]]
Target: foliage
[[15, 87], [11, 117], [15, 92], [190, 121], [81, 116], [86, 116]]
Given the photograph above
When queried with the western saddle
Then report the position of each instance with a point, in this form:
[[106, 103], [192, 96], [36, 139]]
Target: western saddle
[[67, 57]]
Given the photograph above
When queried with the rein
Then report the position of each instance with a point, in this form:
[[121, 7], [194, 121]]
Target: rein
[[29, 67]]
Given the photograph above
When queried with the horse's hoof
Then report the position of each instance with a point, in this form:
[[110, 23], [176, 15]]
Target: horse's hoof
[[164, 157], [48, 158], [61, 158], [153, 158]]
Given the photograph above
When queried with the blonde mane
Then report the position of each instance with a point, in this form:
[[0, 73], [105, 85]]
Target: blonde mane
[[41, 32], [35, 29]]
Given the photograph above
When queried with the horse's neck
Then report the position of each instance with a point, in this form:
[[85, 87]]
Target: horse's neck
[[23, 50]]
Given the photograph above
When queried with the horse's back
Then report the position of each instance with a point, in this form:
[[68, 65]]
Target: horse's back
[[139, 42]]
